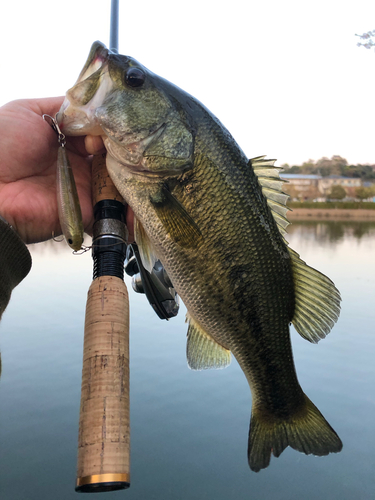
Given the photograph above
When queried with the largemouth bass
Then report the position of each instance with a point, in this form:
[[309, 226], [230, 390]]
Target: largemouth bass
[[216, 222]]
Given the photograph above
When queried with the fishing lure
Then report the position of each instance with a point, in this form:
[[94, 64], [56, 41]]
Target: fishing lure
[[69, 209]]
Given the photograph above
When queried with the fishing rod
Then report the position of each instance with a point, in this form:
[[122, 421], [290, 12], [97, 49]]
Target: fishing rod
[[104, 433], [103, 462]]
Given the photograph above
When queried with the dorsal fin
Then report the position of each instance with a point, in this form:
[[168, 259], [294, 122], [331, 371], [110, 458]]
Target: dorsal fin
[[271, 185], [317, 300]]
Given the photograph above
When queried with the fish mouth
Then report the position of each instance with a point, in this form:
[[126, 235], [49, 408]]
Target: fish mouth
[[77, 113], [97, 57]]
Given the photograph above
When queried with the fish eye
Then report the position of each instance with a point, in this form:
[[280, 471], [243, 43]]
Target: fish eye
[[135, 77]]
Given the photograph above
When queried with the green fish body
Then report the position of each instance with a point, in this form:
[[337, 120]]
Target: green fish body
[[216, 221]]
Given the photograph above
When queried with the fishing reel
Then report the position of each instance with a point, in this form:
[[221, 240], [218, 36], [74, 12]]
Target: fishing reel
[[156, 285]]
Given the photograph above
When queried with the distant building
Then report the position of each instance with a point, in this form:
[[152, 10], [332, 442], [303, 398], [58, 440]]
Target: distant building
[[302, 182], [302, 185], [326, 183]]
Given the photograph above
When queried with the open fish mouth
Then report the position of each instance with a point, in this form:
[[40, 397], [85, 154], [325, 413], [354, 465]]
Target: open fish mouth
[[77, 113], [97, 57]]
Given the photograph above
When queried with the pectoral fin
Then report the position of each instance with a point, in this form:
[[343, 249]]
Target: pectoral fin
[[145, 246], [175, 219], [202, 351]]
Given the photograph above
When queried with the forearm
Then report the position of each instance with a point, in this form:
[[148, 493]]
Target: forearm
[[15, 262]]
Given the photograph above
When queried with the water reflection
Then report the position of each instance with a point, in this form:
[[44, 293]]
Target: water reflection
[[332, 231], [323, 230], [186, 426]]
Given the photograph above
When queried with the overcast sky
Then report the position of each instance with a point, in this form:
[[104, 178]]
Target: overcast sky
[[286, 78]]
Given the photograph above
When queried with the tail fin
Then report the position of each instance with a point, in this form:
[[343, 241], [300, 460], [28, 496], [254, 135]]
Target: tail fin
[[308, 432]]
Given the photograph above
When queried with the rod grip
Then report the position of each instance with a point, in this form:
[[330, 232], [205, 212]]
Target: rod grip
[[102, 185], [104, 433]]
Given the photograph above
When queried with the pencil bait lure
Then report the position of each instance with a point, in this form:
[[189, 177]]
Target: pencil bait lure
[[69, 209]]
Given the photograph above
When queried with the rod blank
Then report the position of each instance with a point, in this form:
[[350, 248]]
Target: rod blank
[[113, 35]]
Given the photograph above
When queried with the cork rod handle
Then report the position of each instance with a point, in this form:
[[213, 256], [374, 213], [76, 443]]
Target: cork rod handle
[[102, 185], [104, 433]]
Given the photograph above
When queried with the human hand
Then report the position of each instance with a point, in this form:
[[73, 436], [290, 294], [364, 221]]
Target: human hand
[[28, 155]]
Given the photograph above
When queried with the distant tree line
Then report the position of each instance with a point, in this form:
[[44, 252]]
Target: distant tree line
[[367, 40], [361, 193], [334, 166]]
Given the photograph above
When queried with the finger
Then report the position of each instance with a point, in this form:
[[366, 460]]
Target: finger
[[77, 145], [94, 144], [47, 105], [51, 106]]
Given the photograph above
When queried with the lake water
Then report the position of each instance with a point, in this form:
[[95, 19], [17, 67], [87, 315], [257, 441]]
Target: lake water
[[188, 429]]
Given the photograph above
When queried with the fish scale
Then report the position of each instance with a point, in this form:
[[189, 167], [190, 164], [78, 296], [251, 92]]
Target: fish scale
[[211, 316], [216, 221]]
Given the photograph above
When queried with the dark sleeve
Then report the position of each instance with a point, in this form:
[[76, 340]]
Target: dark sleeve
[[15, 262]]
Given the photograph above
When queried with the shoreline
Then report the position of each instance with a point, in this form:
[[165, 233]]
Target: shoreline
[[336, 214]]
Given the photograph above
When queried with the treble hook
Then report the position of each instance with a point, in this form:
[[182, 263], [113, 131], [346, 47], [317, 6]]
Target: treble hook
[[56, 128]]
